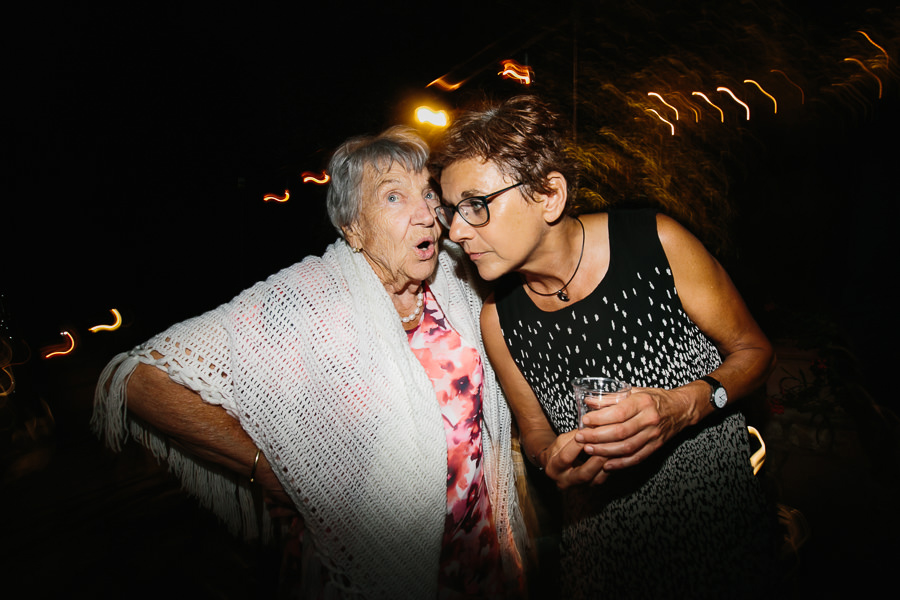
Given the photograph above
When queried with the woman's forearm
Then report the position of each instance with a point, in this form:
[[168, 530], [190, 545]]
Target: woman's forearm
[[535, 443], [204, 430]]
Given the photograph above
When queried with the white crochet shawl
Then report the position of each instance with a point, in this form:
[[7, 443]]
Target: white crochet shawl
[[316, 366]]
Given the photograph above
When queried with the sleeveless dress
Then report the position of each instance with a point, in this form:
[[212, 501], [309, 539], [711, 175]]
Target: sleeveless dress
[[470, 564], [690, 521]]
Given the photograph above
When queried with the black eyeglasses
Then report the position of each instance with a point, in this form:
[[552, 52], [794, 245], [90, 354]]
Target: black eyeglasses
[[473, 210]]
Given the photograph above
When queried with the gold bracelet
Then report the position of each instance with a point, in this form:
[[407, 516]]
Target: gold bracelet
[[253, 470]]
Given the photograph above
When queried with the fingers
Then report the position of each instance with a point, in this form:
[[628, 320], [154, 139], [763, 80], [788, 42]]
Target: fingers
[[567, 464], [637, 404], [629, 459], [628, 446], [614, 437], [564, 452], [625, 434], [278, 512], [589, 471], [630, 430], [279, 504]]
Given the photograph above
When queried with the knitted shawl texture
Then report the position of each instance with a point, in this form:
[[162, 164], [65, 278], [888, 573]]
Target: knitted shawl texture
[[316, 366]]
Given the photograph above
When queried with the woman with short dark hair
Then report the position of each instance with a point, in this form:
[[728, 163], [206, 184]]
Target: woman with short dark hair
[[659, 495]]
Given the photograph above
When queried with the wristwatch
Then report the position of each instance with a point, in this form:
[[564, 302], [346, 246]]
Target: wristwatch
[[717, 397]]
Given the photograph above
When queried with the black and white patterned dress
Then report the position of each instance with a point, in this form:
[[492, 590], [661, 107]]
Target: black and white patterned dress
[[689, 522]]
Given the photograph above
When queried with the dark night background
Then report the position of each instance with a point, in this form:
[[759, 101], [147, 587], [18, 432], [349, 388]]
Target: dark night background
[[139, 143]]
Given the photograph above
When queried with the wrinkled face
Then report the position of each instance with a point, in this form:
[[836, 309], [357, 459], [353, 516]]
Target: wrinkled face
[[397, 229], [507, 242]]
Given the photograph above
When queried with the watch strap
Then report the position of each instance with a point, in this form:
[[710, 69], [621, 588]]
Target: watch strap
[[715, 385], [711, 381]]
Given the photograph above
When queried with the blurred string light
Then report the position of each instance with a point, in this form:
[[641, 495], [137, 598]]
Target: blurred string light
[[512, 43], [62, 352], [513, 70], [864, 68], [8, 387], [735, 98], [115, 325], [8, 383], [663, 120], [678, 103], [783, 74], [620, 141], [664, 102], [887, 59], [775, 102], [7, 379], [702, 95], [438, 118], [446, 86], [852, 96], [690, 105], [276, 197], [310, 177], [759, 457]]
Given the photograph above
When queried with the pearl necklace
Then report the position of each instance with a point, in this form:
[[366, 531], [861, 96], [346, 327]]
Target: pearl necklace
[[418, 308]]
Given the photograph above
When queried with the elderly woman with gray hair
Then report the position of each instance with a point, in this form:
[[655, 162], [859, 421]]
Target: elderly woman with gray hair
[[353, 386]]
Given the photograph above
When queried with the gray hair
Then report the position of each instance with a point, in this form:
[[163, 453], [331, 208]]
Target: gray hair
[[349, 163]]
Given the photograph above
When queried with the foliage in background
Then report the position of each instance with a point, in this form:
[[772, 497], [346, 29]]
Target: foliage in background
[[601, 64]]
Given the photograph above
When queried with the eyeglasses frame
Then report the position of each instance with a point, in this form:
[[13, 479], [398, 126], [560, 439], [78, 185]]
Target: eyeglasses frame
[[486, 199]]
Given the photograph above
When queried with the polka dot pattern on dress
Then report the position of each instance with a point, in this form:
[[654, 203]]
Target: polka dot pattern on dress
[[623, 333]]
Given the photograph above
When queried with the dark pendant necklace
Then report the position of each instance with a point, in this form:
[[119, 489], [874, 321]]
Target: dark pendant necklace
[[561, 292]]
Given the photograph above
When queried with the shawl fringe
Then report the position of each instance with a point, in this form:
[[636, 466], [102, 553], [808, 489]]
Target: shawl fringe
[[302, 412], [230, 499]]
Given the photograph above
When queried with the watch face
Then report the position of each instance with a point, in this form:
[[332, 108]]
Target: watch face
[[720, 397]]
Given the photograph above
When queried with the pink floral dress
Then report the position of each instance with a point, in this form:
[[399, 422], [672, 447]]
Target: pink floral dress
[[470, 556]]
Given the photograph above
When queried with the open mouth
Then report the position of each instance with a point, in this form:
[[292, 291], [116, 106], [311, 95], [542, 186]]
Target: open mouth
[[425, 249]]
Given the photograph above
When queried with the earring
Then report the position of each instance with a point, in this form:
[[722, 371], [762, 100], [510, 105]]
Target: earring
[[357, 250]]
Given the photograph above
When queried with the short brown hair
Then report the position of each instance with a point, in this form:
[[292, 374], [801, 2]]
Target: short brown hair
[[524, 136]]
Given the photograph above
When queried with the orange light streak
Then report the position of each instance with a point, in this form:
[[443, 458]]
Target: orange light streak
[[6, 390], [663, 120], [702, 95], [513, 70], [887, 59], [309, 177], [664, 102], [735, 98], [447, 87], [775, 102], [63, 352], [783, 74], [690, 105], [696, 114], [276, 197], [758, 457], [116, 324], [855, 96], [859, 62], [8, 387]]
